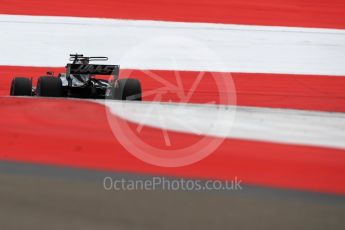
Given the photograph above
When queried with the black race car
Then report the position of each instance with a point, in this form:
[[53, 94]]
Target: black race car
[[79, 81]]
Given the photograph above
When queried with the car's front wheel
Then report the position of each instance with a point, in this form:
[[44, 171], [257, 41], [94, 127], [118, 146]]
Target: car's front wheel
[[49, 87], [21, 86]]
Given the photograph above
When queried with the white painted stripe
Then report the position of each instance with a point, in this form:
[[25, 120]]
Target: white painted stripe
[[46, 41], [322, 129]]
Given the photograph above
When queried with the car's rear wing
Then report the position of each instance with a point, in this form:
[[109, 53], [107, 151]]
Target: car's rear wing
[[113, 70], [75, 58]]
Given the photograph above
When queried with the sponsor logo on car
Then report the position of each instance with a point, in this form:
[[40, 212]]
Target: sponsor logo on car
[[93, 69]]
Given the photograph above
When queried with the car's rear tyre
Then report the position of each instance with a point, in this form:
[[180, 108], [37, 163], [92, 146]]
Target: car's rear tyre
[[128, 89], [21, 86], [49, 87]]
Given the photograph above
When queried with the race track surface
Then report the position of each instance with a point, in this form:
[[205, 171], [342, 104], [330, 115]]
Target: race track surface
[[302, 13], [66, 132], [44, 197], [263, 81]]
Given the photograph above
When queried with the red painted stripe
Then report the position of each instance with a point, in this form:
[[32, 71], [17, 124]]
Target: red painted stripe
[[76, 133], [300, 13], [323, 93]]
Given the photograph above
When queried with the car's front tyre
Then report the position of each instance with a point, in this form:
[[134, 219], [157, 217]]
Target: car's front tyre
[[49, 87]]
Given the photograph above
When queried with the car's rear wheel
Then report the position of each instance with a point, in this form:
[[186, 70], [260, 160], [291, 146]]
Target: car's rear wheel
[[128, 89], [49, 87], [21, 86]]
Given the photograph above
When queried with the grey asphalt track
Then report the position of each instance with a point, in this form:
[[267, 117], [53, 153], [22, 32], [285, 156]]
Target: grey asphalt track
[[48, 197]]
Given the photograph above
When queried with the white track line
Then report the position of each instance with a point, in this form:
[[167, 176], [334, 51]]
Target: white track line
[[322, 129], [47, 41]]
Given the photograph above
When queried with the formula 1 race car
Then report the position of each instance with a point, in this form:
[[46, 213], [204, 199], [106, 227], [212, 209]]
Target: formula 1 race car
[[80, 81]]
